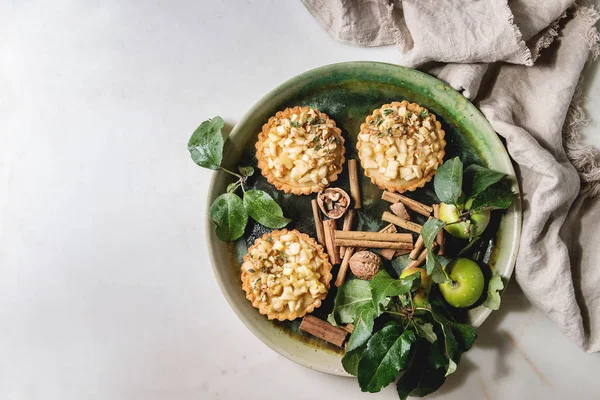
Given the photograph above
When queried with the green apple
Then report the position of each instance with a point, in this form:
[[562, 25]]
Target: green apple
[[421, 298], [425, 279], [472, 227], [466, 283]]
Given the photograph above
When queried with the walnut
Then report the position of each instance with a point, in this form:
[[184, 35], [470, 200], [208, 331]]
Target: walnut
[[333, 202], [365, 264]]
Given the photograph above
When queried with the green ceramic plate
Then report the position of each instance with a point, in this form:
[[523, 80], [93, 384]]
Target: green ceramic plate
[[348, 92]]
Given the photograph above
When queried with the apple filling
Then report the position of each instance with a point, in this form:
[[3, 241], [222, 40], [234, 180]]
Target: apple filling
[[400, 143], [302, 147], [283, 272]]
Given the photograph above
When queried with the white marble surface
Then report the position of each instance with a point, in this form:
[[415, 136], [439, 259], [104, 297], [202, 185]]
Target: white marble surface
[[106, 291]]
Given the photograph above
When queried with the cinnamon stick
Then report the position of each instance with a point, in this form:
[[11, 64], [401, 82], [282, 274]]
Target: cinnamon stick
[[377, 236], [389, 228], [348, 328], [323, 330], [354, 186], [390, 254], [341, 276], [402, 223], [399, 209], [408, 202], [318, 222], [440, 235], [348, 221], [417, 249], [420, 260], [373, 244], [329, 228]]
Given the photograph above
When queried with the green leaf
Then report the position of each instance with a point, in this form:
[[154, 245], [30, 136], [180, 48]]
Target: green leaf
[[435, 268], [410, 379], [495, 285], [206, 143], [450, 344], [383, 286], [436, 358], [499, 196], [464, 334], [363, 326], [426, 331], [430, 230], [423, 376], [478, 178], [351, 359], [232, 187], [228, 215], [246, 171], [264, 210], [331, 320], [448, 181], [350, 296], [387, 352], [434, 375]]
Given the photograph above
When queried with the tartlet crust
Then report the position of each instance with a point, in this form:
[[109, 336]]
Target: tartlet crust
[[324, 270], [412, 185], [281, 183]]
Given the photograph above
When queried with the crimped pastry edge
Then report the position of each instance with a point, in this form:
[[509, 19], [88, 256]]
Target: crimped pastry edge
[[390, 186], [324, 270], [286, 186]]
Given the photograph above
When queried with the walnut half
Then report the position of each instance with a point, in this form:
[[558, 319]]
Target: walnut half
[[333, 202]]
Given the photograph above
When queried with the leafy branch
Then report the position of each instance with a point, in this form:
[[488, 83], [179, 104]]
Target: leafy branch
[[229, 213], [409, 333]]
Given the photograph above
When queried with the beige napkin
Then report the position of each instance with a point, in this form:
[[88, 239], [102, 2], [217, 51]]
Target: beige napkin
[[521, 62]]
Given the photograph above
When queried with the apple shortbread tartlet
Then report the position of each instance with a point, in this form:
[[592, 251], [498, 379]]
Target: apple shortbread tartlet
[[400, 146], [300, 150], [286, 274]]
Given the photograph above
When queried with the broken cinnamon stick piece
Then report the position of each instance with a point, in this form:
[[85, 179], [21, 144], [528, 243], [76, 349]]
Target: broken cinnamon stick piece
[[402, 252], [318, 222], [348, 221], [389, 254], [402, 223], [377, 236], [329, 227], [373, 244], [440, 235], [399, 209], [348, 328], [420, 260], [354, 184], [341, 276], [408, 202], [323, 330]]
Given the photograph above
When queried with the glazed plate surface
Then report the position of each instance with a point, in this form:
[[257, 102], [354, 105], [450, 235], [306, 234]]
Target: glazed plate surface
[[348, 92]]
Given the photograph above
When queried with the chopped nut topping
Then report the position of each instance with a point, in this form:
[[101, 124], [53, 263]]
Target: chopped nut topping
[[284, 273], [301, 148], [399, 145]]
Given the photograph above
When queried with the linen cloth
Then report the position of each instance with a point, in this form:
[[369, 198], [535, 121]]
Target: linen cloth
[[520, 61]]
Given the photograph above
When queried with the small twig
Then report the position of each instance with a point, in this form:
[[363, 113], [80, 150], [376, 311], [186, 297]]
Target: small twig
[[230, 172]]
